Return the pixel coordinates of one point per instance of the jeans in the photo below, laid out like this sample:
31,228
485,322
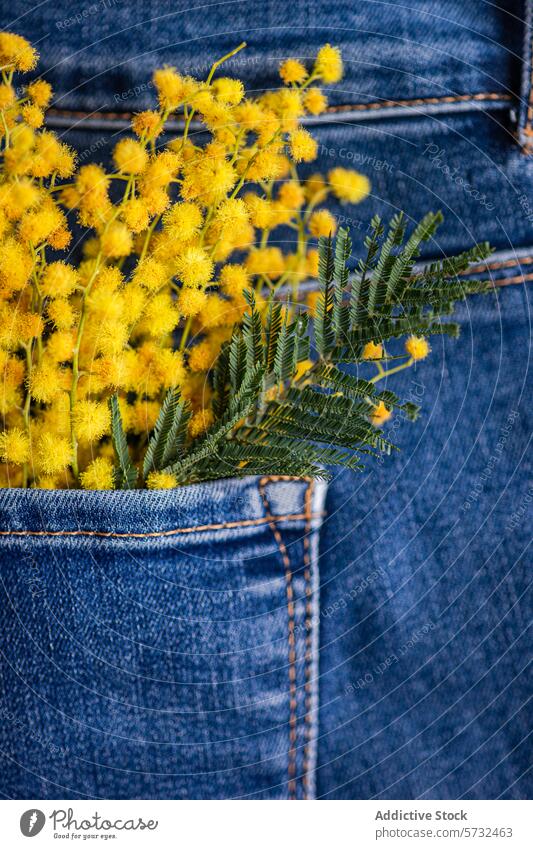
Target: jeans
271,639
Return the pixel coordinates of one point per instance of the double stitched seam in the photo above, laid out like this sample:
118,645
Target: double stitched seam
349,107
245,523
420,101
507,263
519,279
293,706
503,263
308,638
528,130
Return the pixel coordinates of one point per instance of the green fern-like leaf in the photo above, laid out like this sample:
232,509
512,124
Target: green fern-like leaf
168,438
125,473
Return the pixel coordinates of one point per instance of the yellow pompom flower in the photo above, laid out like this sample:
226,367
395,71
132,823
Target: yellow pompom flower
59,280
311,301
322,223
417,347
373,351
40,93
130,156
349,186
303,146
36,226
267,261
116,241
151,274
98,474
380,414
261,211
183,221
161,480
161,315
291,195
234,279
147,124
91,420
135,214
194,267
19,197
30,325
65,162
202,356
60,346
53,454
7,95
61,313
328,64
16,52
15,266
216,312
311,262
292,71
170,87
200,422
231,215
315,101
44,383
14,446
191,301
315,185
208,180
228,90
32,115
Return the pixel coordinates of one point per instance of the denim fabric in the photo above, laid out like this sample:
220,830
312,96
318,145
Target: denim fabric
164,666
425,594
101,54
160,645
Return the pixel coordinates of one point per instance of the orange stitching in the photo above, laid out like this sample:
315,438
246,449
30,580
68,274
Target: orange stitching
519,279
420,101
355,107
292,640
504,263
244,523
308,636
529,116
527,130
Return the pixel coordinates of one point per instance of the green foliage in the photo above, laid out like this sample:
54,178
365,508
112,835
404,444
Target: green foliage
125,473
272,416
170,432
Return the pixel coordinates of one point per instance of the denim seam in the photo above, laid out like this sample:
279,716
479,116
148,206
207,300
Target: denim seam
520,278
293,705
331,110
308,640
506,263
527,146
150,534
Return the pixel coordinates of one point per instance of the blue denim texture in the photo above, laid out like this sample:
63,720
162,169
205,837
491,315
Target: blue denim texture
164,666
144,659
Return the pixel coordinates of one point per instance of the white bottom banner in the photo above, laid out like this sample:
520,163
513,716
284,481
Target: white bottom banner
268,825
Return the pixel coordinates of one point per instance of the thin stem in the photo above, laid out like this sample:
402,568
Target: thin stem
148,237
219,62
395,370
27,407
185,334
76,365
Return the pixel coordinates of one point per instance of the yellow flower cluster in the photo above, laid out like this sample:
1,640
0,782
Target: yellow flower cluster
173,236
